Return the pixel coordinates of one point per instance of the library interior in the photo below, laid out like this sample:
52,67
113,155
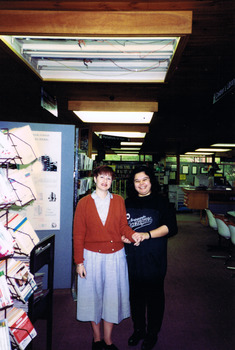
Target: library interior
122,84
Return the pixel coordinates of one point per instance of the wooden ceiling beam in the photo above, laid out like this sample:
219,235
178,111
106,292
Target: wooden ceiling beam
112,106
120,127
113,5
90,23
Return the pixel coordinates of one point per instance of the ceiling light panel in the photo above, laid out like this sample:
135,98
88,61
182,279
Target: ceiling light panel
213,150
127,134
126,152
115,117
126,149
198,153
131,143
96,59
223,145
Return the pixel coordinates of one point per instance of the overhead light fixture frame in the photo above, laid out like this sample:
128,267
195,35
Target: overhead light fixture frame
26,32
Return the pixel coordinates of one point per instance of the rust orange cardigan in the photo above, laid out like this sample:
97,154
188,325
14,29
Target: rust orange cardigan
91,234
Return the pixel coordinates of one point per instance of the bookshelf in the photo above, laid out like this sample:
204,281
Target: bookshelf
83,166
82,183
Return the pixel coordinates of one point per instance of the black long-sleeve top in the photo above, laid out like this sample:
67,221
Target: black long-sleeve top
149,259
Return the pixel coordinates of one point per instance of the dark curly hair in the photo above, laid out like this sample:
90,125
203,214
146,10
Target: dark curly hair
131,191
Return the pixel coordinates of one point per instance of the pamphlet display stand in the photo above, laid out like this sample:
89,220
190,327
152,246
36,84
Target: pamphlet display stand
18,277
41,308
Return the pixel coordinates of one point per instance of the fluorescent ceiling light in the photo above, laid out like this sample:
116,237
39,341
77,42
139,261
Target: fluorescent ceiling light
126,149
131,143
213,149
198,153
115,117
223,145
127,153
114,59
128,134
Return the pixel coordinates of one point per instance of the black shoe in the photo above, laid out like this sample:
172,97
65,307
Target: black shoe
136,337
109,347
97,345
149,342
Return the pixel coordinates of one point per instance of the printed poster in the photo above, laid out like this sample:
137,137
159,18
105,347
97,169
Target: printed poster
44,212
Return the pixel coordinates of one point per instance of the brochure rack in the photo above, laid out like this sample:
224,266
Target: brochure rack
18,195
41,308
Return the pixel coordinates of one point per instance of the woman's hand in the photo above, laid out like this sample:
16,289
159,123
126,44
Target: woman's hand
140,237
137,237
81,271
125,240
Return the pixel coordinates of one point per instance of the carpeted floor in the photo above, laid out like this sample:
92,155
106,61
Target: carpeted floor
199,312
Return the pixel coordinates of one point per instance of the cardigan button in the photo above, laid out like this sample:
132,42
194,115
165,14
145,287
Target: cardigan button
99,251
112,250
111,241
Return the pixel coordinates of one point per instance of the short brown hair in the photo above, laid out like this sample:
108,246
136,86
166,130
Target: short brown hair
104,169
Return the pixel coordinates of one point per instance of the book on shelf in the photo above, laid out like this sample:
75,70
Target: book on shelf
84,162
20,281
4,335
39,276
84,184
22,232
21,329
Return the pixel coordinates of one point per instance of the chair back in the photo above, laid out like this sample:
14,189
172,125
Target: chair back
232,232
211,219
223,228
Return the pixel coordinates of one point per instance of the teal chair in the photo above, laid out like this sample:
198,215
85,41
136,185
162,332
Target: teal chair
232,233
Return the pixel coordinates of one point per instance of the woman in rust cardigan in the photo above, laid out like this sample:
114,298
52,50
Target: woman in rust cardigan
103,289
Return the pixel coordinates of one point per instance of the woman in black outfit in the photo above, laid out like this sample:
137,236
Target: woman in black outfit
147,263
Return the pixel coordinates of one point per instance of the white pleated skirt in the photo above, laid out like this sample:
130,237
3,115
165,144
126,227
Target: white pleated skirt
104,293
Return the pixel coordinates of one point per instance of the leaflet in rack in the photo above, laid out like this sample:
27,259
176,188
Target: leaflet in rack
20,281
7,151
22,232
23,143
6,242
5,296
22,183
4,335
7,193
21,329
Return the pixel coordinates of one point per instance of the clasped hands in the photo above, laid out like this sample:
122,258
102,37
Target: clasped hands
138,237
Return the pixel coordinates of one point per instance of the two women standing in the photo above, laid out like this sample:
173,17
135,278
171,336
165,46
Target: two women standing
100,228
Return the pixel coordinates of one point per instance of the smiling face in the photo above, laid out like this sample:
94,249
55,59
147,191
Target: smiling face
103,182
142,184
